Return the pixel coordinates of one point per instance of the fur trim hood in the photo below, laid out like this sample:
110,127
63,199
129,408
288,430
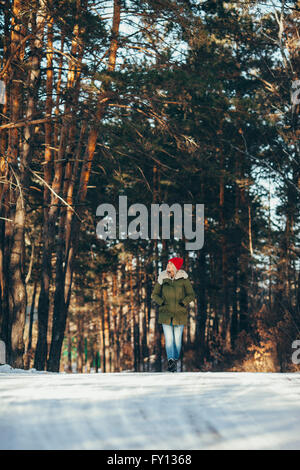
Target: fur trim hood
164,275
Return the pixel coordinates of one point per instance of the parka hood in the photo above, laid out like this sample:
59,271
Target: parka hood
165,275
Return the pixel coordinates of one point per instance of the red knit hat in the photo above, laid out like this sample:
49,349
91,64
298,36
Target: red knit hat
178,262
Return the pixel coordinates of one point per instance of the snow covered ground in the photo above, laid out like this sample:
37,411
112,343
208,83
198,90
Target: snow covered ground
156,411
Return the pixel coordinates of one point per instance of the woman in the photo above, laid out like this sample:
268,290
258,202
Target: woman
173,292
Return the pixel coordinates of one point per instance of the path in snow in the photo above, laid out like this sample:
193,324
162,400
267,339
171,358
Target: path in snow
149,411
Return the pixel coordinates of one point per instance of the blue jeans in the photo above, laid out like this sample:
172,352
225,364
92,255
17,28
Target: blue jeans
173,339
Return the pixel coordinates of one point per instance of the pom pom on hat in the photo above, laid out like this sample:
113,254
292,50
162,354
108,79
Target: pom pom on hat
178,262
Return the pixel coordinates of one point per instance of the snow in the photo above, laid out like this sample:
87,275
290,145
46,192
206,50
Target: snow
169,411
5,368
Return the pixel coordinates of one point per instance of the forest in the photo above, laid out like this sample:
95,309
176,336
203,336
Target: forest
187,102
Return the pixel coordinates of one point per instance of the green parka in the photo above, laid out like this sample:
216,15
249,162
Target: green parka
173,297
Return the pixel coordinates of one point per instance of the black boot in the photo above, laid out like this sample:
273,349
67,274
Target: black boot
172,365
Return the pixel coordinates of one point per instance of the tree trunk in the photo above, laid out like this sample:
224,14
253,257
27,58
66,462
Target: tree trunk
62,302
201,317
48,228
244,270
31,316
224,269
69,366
